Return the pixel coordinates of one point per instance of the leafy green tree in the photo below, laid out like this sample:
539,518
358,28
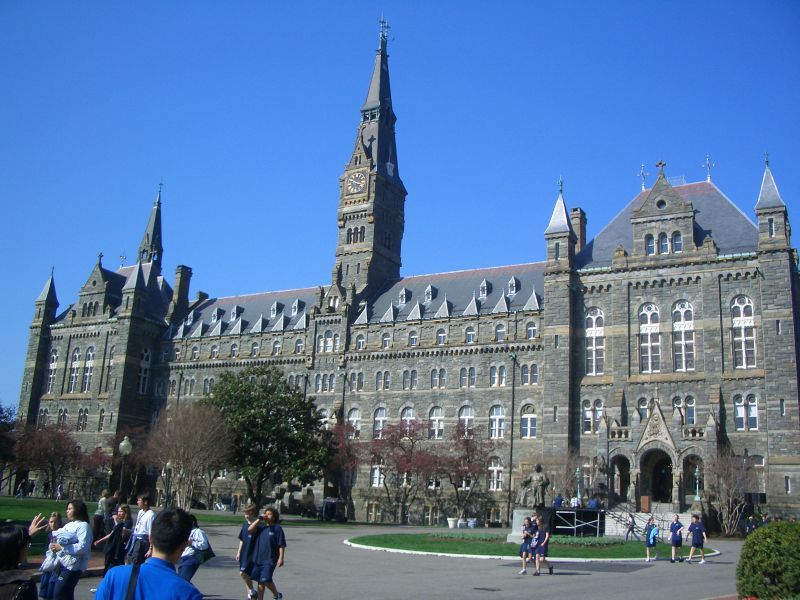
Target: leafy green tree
275,429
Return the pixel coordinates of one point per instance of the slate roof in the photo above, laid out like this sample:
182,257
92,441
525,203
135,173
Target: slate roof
559,220
769,197
715,215
458,289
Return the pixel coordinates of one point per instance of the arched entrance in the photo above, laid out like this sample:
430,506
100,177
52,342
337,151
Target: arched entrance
656,476
620,477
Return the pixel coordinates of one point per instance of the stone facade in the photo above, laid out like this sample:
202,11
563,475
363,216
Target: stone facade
643,351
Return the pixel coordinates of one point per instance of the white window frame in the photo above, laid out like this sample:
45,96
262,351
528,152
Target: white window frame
497,422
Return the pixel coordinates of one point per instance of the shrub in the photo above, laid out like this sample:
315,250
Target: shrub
770,563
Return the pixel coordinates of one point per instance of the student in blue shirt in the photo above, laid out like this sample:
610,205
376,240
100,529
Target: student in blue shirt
541,540
650,538
156,579
526,550
676,537
247,546
269,553
698,533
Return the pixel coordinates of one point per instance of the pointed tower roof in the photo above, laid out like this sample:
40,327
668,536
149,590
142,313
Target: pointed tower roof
559,221
769,197
151,248
380,92
135,279
48,295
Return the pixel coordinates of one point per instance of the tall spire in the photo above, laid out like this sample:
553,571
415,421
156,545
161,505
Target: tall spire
377,117
151,249
48,295
559,220
769,197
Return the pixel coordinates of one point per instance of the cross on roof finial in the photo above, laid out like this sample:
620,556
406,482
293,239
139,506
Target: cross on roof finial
766,159
661,164
384,25
708,165
100,258
122,258
560,185
643,175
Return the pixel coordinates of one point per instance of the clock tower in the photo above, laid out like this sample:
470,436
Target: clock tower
371,193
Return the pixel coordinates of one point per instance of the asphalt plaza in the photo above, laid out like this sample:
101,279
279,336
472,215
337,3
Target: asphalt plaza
320,565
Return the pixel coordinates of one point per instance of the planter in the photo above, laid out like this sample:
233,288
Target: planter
462,523
451,522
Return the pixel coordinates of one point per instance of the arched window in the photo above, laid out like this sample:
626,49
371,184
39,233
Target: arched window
534,374
690,411
43,416
413,379
406,379
378,381
276,347
501,376
144,371
387,380
436,423
497,422
386,341
299,346
211,386
471,378
318,383
214,351
500,333
649,245
406,418
683,336
195,352
642,406
744,337
434,378
745,412
493,376
354,423
51,372
191,387
378,422
349,235
595,341
361,342
527,423
234,350
376,472
525,375
254,348
88,370
205,385
677,242
441,337
663,243
320,344
649,339
462,377
335,342
328,341
74,369
79,423
110,368
598,415
101,420
469,336
360,381
530,330
466,419
413,338
495,474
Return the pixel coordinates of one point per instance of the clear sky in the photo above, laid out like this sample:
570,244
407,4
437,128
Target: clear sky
248,112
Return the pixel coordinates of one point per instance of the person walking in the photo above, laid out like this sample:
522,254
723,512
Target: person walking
190,559
630,528
139,545
99,517
234,505
156,579
676,539
269,554
116,539
73,555
699,538
48,579
650,538
541,541
247,545
525,551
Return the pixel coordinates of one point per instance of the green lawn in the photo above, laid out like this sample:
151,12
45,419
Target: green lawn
484,545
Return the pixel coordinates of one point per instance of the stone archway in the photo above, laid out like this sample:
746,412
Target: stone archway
656,476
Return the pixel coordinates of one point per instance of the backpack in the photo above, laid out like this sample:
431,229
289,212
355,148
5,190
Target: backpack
18,590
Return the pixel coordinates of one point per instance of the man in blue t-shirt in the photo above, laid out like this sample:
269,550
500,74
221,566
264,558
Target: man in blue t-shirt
698,533
269,553
676,537
156,578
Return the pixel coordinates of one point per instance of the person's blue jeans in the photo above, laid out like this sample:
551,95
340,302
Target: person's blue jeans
66,581
188,567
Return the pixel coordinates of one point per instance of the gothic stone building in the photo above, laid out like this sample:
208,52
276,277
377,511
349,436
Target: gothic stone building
672,332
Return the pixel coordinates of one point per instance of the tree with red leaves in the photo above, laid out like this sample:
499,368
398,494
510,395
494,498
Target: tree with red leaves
52,451
346,456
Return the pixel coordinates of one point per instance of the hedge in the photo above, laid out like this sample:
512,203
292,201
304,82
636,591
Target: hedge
770,563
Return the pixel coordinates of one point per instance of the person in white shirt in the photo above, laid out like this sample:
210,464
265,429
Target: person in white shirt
139,544
190,559
75,554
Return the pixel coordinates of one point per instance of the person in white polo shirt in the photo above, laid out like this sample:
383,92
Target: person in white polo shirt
139,544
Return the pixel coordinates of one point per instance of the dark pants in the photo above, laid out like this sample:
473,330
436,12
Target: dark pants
136,551
188,567
65,585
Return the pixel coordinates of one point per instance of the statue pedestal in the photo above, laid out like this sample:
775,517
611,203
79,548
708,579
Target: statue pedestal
515,537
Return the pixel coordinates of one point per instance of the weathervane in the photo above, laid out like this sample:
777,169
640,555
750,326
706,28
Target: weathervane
122,258
384,24
766,158
708,165
560,185
643,175
661,164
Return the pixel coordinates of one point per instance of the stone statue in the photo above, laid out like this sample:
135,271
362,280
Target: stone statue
532,491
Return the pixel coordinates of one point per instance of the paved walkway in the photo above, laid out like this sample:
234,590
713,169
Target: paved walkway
320,565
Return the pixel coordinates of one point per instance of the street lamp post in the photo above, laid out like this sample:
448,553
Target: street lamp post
168,487
125,448
578,482
697,483
511,445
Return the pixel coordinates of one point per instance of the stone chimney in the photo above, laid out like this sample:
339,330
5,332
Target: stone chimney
578,220
180,294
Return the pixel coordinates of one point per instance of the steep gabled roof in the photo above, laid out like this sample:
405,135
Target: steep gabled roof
769,197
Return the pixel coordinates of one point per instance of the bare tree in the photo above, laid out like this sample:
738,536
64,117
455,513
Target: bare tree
728,478
563,479
185,443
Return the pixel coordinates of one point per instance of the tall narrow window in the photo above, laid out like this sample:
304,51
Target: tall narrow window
88,370
663,243
525,375
376,473
595,341
413,338
649,339
361,342
527,424
436,423
441,337
51,372
234,350
466,419
406,379
497,422
530,330
378,422
642,406
471,377
74,369
413,379
493,376
407,417
495,474
379,381
462,377
470,335
752,412
649,245
354,423
739,412
683,336
101,421
677,242
782,405
771,227
690,411
144,371
386,341
434,378
534,374
500,333
744,337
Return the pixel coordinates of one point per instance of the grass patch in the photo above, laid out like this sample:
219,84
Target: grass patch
495,545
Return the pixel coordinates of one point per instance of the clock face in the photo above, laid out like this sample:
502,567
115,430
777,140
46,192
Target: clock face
356,183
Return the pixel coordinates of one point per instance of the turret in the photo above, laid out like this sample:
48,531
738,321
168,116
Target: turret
151,249
774,231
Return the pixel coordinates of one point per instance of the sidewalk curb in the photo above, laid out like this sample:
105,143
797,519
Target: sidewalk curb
508,558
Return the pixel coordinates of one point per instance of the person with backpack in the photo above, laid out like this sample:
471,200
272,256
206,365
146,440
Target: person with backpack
193,556
650,538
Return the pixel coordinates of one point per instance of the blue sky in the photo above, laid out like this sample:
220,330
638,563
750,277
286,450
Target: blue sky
248,111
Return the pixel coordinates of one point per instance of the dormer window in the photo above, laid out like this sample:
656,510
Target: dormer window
190,318
333,302
430,293
296,305
404,295
485,289
235,312
216,315
273,310
513,286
